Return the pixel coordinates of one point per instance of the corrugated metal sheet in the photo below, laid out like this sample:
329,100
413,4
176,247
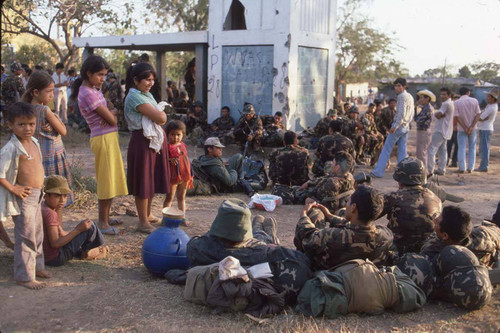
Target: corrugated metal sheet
315,16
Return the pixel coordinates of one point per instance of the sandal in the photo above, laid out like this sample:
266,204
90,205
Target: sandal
112,231
113,222
145,229
154,219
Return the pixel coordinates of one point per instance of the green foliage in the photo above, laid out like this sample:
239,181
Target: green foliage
186,15
37,54
464,72
363,52
486,71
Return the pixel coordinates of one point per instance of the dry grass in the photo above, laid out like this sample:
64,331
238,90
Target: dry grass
84,187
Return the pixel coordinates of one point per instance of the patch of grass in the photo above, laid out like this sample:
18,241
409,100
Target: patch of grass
84,187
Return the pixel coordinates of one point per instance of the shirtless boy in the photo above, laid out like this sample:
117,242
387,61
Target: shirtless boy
21,182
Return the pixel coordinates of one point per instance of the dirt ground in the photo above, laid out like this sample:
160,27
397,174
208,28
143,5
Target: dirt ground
118,294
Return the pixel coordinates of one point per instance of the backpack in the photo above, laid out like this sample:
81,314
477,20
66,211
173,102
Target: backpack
199,281
255,173
202,181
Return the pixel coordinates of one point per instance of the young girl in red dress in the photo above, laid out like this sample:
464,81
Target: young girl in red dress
180,168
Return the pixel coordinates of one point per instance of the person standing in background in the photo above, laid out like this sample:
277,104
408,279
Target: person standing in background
60,93
485,126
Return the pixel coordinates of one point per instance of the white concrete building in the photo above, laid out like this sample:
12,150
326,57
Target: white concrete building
278,55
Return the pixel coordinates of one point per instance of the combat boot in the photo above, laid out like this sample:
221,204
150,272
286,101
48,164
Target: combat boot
257,223
271,228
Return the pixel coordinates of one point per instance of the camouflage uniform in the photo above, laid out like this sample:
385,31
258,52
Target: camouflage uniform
328,147
461,280
196,125
351,130
288,165
243,129
326,190
12,90
420,269
341,242
322,127
483,241
273,135
411,210
114,93
384,121
224,126
374,140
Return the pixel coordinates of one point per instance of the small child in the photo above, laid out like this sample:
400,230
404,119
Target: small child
49,128
180,167
21,182
84,241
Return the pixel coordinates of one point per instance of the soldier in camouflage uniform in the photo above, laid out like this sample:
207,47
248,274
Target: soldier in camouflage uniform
289,165
355,237
196,123
460,278
385,117
329,146
332,191
12,87
454,227
248,128
274,131
412,209
353,129
374,140
222,125
251,242
322,127
114,95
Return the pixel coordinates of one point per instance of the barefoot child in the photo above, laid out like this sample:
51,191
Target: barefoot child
104,143
180,168
84,241
49,128
21,182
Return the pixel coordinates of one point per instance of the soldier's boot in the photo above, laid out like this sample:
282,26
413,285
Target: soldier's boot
454,198
257,223
271,228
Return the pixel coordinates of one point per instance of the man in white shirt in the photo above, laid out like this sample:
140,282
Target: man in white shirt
398,134
466,110
485,125
443,130
60,93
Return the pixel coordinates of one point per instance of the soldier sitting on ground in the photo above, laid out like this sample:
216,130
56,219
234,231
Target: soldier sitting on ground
233,233
223,125
333,190
322,127
248,128
353,129
330,145
454,227
196,122
354,237
412,209
274,131
374,140
288,165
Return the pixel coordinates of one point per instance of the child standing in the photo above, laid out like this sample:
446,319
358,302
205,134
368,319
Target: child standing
147,168
180,168
21,182
59,246
49,128
104,143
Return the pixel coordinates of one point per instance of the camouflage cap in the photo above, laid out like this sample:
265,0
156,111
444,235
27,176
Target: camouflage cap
15,66
468,287
249,109
410,171
419,269
233,221
454,256
332,112
354,109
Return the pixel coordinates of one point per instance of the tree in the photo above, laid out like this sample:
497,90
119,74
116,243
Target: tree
72,17
464,72
362,51
37,54
486,71
186,15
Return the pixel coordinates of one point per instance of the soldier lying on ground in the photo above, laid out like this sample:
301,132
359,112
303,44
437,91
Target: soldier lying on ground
454,227
330,145
234,234
354,237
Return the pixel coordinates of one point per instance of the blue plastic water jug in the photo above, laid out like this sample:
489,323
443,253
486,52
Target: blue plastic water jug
165,248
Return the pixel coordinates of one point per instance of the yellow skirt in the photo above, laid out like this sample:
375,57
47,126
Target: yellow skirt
109,171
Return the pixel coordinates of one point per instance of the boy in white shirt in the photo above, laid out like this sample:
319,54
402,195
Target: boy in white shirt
485,126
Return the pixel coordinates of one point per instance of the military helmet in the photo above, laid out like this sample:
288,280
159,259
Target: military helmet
419,269
454,256
410,171
248,109
353,109
468,287
332,112
233,221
